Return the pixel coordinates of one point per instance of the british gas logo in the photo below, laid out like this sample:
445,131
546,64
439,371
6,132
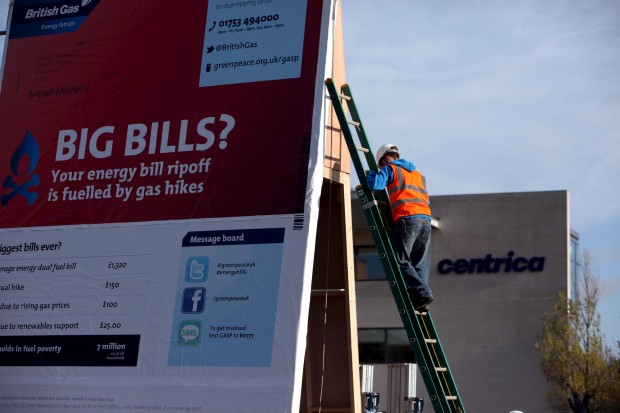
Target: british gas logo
23,183
42,12
491,265
48,17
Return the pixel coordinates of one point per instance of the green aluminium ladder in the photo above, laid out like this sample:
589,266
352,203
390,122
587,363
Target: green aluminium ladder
423,337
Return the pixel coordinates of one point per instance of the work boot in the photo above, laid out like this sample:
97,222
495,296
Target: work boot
421,304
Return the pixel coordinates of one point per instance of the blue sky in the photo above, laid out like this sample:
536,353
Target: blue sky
499,96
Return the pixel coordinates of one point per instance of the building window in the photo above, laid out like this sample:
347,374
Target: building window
372,345
384,345
368,264
398,346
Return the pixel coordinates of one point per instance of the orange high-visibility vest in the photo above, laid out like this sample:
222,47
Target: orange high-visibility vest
408,195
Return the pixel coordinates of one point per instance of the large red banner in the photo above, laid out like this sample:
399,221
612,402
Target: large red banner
130,112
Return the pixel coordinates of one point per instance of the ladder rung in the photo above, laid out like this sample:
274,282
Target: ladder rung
343,96
430,340
354,123
362,149
451,398
370,204
442,369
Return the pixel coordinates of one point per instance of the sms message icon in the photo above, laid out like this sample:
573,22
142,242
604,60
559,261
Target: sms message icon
189,333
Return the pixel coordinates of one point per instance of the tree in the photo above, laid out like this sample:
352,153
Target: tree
582,372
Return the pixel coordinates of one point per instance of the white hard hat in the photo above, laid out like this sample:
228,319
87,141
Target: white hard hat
387,148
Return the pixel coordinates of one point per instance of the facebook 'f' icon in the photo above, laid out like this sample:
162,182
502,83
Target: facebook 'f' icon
193,300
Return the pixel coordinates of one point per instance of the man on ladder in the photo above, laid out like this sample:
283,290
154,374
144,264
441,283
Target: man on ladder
406,263
411,236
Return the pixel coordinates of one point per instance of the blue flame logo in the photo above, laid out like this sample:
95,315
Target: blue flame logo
27,149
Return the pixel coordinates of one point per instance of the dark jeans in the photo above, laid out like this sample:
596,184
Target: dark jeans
411,239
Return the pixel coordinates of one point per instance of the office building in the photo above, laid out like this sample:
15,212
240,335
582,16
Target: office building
497,263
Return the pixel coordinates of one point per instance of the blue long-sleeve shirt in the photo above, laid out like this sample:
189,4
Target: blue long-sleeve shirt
379,180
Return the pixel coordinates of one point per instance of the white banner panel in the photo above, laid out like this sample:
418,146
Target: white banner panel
96,316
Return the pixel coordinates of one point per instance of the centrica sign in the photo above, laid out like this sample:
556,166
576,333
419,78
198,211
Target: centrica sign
491,265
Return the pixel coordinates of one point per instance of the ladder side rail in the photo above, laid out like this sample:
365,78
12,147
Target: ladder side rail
370,159
411,323
344,127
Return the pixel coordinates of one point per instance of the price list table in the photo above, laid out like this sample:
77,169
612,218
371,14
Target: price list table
72,311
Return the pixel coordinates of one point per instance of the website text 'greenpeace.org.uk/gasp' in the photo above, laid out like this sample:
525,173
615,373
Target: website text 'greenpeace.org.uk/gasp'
253,62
